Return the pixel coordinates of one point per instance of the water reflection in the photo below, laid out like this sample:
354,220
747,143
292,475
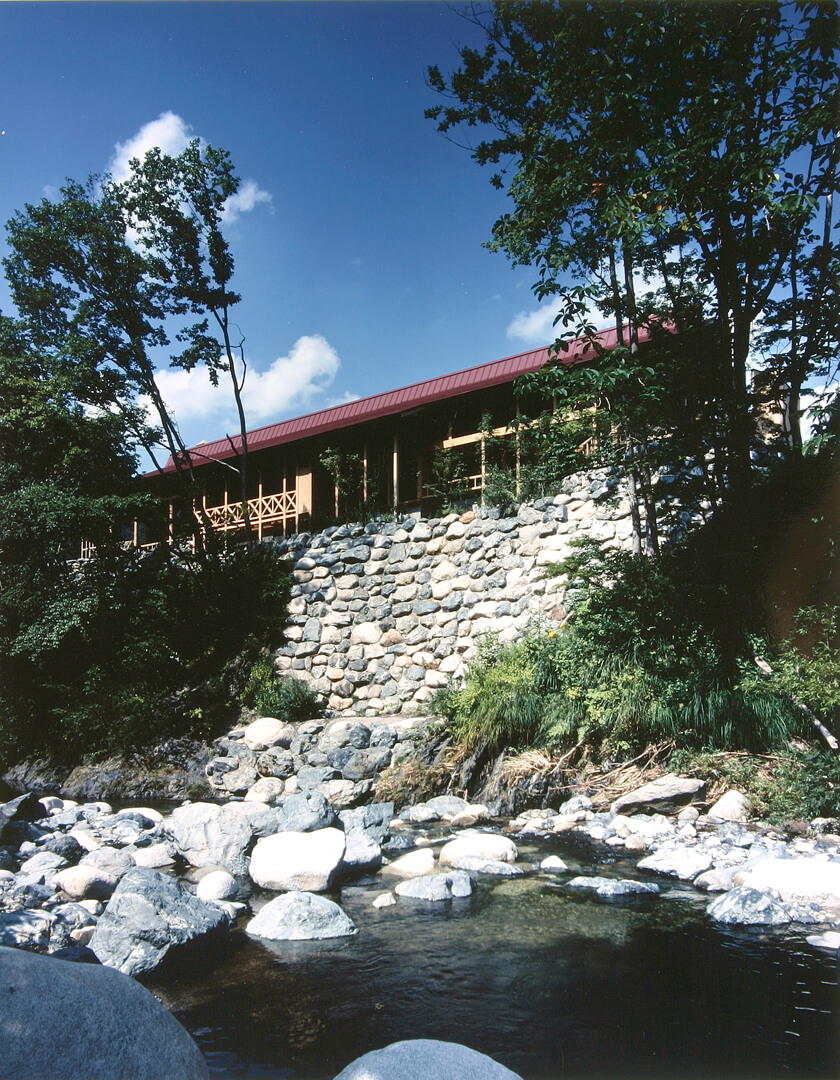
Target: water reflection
551,983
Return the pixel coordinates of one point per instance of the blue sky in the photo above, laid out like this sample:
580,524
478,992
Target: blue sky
358,241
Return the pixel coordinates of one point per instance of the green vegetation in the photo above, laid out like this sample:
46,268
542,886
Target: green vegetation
284,699
141,648
671,167
642,661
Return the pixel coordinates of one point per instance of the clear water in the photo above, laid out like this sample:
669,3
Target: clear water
550,982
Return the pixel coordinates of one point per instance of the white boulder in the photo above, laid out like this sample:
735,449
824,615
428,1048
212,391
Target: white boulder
479,845
296,861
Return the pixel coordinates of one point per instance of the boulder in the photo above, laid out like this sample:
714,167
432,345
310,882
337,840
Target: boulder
266,790
554,864
210,835
421,861
294,861
304,811
732,806
240,779
66,1021
478,864
436,887
667,795
217,885
86,882
480,845
748,907
798,879
112,860
365,764
361,853
259,816
300,916
266,732
613,886
149,914
276,762
373,819
425,1059
676,861
25,929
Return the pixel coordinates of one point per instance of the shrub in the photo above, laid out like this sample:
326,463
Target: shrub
285,699
497,706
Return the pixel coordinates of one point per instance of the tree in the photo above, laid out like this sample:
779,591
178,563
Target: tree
176,205
103,274
690,143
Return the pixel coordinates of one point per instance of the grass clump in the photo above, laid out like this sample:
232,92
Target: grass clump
497,705
647,657
285,699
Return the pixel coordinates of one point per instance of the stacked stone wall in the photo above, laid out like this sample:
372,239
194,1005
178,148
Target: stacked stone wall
383,614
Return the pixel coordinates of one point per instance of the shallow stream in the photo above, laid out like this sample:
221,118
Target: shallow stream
551,982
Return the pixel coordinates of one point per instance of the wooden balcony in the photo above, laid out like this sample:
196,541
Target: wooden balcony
266,512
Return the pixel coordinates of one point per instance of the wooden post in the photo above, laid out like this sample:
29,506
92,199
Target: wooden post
170,527
136,535
225,518
395,469
483,465
260,506
364,473
518,468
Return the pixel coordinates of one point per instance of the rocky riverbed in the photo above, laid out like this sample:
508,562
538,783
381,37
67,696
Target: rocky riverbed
133,888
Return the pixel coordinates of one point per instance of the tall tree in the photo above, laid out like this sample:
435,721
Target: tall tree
176,206
107,273
686,142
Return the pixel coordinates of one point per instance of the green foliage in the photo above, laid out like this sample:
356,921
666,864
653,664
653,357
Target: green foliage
284,699
130,651
346,470
497,705
643,660
795,785
699,152
808,666
448,481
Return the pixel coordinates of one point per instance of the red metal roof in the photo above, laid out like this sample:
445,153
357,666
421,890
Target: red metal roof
392,402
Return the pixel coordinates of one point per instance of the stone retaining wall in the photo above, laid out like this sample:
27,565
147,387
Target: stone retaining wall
383,614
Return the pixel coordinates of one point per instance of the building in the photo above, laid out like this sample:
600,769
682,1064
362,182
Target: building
377,454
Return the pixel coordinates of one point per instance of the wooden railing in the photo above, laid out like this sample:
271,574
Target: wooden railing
281,508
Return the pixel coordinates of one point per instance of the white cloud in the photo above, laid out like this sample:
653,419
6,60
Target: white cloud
537,327
288,386
292,381
534,327
248,196
170,132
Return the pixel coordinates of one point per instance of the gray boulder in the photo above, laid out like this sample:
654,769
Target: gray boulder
478,864
612,886
25,929
210,835
361,853
667,795
425,1059
300,916
373,819
365,764
67,1021
748,907
304,811
276,762
436,887
149,914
